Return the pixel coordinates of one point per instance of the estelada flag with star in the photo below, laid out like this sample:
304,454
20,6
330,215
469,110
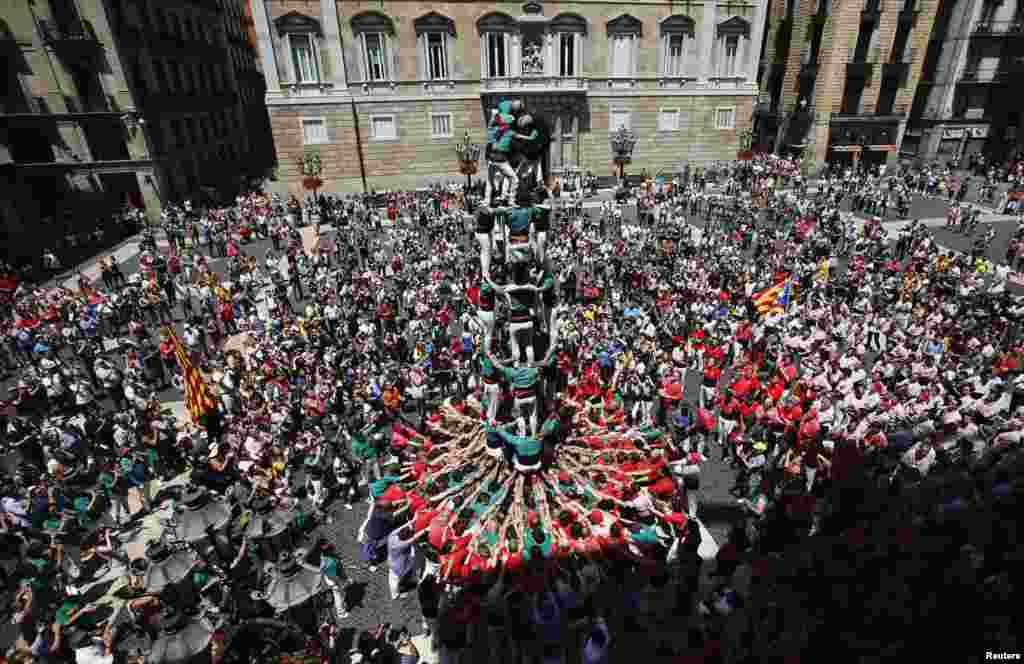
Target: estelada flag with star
198,398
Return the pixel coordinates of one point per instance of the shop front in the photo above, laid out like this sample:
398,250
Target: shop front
866,142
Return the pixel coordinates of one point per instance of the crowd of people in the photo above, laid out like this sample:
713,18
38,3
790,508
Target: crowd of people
865,390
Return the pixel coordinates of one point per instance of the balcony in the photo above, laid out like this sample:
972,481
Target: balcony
998,29
75,37
869,118
542,84
896,70
909,12
860,70
185,103
974,75
872,10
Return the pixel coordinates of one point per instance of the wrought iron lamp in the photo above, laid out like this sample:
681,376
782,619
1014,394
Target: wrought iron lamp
166,566
269,528
623,141
199,513
292,583
469,158
180,638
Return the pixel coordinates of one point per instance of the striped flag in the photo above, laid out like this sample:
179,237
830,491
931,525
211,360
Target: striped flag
198,397
773,300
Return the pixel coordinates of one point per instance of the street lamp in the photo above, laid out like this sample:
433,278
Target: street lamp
469,157
623,141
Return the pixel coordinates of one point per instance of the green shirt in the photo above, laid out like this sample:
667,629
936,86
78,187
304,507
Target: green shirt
107,482
544,544
329,565
646,535
378,487
519,220
523,445
362,448
551,427
521,378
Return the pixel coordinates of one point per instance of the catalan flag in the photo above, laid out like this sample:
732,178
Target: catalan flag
773,300
198,397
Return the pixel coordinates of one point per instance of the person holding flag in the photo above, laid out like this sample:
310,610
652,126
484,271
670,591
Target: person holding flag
199,399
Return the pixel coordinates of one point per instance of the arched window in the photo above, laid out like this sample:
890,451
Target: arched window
435,36
732,43
624,35
496,30
373,32
676,44
301,35
570,31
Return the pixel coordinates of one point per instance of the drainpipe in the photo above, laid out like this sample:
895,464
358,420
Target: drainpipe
359,144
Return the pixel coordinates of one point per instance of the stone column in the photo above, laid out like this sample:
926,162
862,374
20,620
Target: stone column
556,145
754,48
333,50
707,41
266,45
515,66
551,64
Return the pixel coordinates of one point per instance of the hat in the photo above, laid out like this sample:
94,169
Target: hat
596,517
760,447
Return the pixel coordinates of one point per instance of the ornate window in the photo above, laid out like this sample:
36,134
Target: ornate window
496,30
374,32
624,36
301,35
570,30
435,37
676,45
732,42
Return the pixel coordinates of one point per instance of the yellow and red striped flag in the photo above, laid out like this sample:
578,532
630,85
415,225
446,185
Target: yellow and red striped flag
198,398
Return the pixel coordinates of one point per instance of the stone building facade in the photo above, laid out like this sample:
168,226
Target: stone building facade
838,77
966,101
115,102
386,90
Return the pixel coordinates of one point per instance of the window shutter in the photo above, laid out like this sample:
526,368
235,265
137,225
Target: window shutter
740,66
692,55
635,56
485,47
291,75
358,55
392,57
326,66
454,64
423,57
663,55
611,57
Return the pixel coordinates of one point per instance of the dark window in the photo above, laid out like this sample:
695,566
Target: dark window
887,98
851,97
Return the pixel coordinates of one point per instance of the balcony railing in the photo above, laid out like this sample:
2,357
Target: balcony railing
997,28
982,75
78,32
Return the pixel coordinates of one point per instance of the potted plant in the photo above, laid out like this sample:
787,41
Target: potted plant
311,169
746,139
